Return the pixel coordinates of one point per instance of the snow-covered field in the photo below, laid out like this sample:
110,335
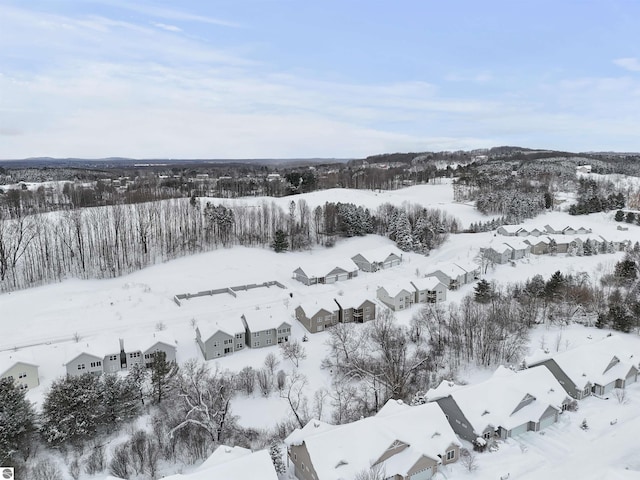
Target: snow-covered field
101,311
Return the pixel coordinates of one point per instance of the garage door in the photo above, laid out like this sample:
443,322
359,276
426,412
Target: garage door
547,421
422,475
519,430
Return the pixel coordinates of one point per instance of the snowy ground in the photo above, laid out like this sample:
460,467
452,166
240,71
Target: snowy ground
101,311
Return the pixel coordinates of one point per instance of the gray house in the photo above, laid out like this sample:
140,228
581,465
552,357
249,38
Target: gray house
397,296
355,308
24,374
429,290
266,326
156,346
378,259
404,442
222,337
84,362
519,248
317,316
498,254
595,368
453,276
506,405
122,360
322,272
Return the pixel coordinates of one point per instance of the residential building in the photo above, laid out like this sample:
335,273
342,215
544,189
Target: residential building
266,326
402,441
318,315
354,307
232,463
23,373
378,259
506,405
84,362
221,337
322,272
596,368
429,290
397,296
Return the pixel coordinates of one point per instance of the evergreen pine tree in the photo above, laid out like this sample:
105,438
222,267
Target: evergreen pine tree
276,458
17,421
280,242
119,399
162,373
619,216
483,291
71,411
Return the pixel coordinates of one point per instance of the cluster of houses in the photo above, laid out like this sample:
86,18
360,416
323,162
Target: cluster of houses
106,358
412,442
523,242
522,231
323,312
314,273
95,359
258,328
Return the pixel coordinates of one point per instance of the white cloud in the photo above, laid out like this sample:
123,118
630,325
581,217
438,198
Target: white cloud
630,63
169,28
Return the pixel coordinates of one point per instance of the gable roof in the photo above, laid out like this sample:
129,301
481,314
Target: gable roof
341,451
394,289
313,306
427,283
230,324
353,299
600,362
495,401
322,268
380,254
266,318
9,359
235,464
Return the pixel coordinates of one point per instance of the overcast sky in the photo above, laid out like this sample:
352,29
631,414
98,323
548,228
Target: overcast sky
315,78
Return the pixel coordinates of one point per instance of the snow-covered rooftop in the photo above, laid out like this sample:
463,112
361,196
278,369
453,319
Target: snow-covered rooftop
233,463
427,283
380,254
494,401
393,289
317,269
9,359
266,318
592,363
229,323
340,452
311,306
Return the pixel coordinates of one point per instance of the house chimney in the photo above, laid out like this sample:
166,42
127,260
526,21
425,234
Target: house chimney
121,344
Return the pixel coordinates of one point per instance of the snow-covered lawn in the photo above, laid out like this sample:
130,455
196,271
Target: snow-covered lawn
101,311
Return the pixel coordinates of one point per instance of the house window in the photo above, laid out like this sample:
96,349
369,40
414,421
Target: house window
487,435
22,375
269,341
238,335
257,344
295,456
113,358
238,346
270,331
451,454
95,364
81,366
256,334
216,344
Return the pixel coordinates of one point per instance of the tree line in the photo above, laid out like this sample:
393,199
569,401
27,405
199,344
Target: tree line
104,242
